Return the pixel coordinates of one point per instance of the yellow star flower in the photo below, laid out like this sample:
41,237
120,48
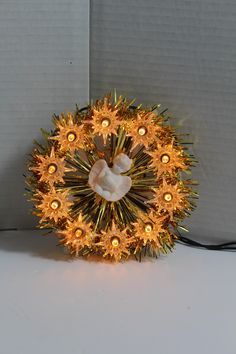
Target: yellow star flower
71,136
50,169
115,243
105,120
53,205
143,130
170,198
77,235
168,159
148,228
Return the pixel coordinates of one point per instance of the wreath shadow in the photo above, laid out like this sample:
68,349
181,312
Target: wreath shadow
32,242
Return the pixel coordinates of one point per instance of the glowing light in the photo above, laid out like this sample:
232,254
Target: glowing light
106,122
115,241
148,227
71,137
142,131
165,158
52,168
55,204
78,232
168,197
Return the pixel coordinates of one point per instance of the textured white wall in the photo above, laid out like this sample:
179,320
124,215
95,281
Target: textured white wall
44,56
182,54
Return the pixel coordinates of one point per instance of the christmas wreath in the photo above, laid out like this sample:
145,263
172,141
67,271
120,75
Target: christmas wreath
109,180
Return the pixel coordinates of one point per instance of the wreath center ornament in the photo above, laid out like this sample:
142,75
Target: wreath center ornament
112,180
108,182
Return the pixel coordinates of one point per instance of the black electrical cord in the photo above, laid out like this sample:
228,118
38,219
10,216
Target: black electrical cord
226,246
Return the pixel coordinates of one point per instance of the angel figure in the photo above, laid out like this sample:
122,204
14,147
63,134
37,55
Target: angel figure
109,183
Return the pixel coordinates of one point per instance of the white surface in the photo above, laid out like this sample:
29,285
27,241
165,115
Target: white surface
183,303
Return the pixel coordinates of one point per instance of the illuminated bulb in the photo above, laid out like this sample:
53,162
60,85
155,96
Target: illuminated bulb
168,197
52,168
55,204
165,158
115,242
71,137
106,122
148,227
78,232
142,131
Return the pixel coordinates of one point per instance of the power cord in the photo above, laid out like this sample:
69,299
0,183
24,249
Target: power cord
226,246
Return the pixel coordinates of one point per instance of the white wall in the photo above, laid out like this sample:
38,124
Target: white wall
182,54
44,56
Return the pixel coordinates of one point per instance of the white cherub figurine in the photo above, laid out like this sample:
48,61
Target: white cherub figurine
108,182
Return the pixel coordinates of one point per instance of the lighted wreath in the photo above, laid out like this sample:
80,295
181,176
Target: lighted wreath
109,180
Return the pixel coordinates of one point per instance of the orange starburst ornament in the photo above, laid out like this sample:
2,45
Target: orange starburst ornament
77,235
167,158
53,205
149,228
115,243
172,199
143,130
108,180
50,169
105,119
69,134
